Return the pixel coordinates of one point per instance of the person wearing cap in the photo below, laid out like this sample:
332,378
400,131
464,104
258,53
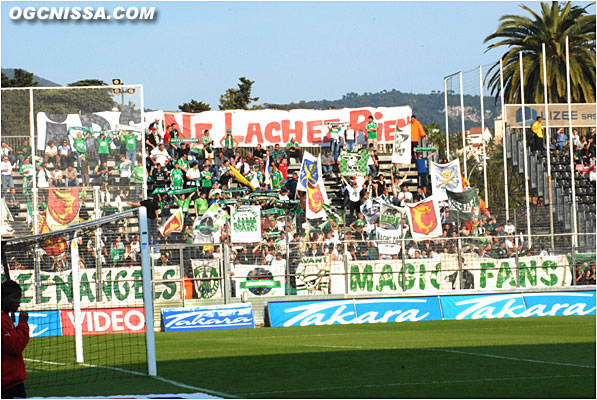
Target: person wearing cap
152,139
229,144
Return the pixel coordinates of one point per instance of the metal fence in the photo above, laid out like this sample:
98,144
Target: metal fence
217,272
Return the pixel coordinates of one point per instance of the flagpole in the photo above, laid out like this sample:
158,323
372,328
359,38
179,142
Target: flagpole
548,141
524,147
504,141
463,127
446,115
571,141
483,135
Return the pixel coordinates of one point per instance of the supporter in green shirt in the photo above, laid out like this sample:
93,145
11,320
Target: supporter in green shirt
183,163
293,149
371,128
177,177
130,141
201,204
184,202
206,178
23,151
277,178
138,172
103,149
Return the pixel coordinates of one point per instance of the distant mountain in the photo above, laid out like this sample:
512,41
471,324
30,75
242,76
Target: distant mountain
427,107
10,72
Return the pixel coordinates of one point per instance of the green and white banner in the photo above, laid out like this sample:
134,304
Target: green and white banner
121,286
430,276
313,276
246,224
259,280
353,163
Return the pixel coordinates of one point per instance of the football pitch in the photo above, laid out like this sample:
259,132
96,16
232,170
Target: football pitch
548,357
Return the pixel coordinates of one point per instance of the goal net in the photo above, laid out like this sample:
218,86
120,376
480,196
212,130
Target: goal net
87,289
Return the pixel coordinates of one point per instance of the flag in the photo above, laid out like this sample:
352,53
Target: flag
390,217
424,218
316,198
245,225
63,208
445,177
353,163
53,245
464,206
240,178
309,172
334,213
401,150
217,214
370,209
173,224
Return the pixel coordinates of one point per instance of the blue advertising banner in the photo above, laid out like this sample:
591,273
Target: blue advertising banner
228,316
559,303
44,323
353,311
398,310
508,305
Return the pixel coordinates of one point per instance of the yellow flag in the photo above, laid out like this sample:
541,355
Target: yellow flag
239,177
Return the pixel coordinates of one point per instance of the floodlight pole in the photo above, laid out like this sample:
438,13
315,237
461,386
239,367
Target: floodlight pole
447,118
483,136
571,142
548,142
463,127
526,161
504,141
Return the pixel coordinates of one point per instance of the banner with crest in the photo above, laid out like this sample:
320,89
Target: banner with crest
445,177
425,219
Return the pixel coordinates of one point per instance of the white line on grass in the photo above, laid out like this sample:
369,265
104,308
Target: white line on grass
512,358
333,347
412,383
128,371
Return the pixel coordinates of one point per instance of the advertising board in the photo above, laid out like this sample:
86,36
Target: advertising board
227,316
44,323
105,321
353,311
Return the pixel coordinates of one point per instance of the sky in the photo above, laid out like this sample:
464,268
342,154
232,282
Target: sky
292,50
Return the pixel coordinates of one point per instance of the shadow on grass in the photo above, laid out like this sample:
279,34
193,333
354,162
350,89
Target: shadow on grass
392,373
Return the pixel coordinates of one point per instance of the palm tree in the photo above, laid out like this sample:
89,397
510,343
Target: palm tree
551,27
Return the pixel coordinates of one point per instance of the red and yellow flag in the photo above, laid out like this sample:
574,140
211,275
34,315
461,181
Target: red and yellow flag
173,224
54,245
425,219
63,205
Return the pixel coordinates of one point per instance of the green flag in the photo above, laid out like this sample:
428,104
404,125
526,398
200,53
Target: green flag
353,163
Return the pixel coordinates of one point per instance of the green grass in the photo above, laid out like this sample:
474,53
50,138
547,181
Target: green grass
508,358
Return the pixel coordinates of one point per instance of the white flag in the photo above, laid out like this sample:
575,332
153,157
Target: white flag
445,177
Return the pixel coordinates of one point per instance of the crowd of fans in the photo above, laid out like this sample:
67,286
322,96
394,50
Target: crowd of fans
211,168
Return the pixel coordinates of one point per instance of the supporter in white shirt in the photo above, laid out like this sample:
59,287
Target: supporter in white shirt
43,177
6,171
159,155
509,228
405,196
193,173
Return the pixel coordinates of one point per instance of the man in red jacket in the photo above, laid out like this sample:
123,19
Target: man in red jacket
14,341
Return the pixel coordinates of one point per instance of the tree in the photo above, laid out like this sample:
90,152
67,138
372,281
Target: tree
239,99
88,82
21,78
526,35
194,106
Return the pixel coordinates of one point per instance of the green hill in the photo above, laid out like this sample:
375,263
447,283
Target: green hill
10,72
427,107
